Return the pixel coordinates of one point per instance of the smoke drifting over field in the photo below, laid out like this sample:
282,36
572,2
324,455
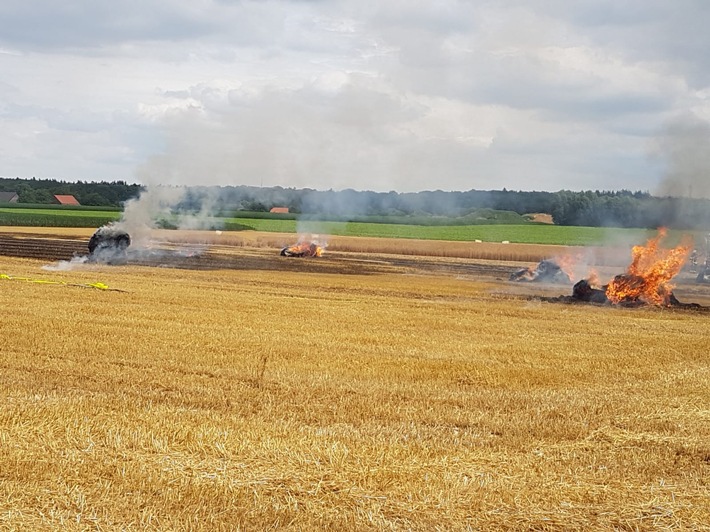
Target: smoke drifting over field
166,205
66,265
335,130
140,214
157,206
685,146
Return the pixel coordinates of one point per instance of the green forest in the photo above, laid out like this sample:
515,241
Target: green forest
623,208
99,194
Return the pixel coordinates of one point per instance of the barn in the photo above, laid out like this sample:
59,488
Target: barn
66,199
9,197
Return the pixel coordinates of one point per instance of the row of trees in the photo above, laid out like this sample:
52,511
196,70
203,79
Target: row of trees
624,210
42,191
589,208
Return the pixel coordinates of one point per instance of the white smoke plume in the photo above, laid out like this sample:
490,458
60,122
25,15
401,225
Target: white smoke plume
162,206
66,265
685,147
140,215
156,206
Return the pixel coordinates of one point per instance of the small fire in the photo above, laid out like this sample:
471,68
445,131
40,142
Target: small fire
647,277
524,274
568,263
548,270
593,277
304,248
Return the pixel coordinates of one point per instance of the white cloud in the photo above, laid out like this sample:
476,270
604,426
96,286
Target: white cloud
366,95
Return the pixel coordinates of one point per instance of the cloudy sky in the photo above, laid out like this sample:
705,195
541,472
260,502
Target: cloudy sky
365,94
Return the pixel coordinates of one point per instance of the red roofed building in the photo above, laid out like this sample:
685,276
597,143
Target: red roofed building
279,210
66,199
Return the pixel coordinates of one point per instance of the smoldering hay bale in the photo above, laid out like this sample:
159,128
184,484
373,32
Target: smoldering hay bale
108,243
545,271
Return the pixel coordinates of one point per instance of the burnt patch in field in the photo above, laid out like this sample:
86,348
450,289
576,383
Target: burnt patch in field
165,254
38,247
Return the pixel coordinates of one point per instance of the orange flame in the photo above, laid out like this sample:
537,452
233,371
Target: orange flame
647,277
568,263
526,275
303,249
593,278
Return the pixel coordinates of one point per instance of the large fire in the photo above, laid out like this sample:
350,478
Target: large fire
648,276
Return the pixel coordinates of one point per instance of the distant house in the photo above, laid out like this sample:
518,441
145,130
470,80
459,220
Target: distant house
66,199
279,210
9,197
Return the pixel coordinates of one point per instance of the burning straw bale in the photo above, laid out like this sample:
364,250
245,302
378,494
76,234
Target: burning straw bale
647,280
584,291
648,276
303,248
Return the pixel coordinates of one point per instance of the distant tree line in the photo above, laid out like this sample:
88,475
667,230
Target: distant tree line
42,191
588,208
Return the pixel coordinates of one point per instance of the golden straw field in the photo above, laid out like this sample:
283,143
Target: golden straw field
351,399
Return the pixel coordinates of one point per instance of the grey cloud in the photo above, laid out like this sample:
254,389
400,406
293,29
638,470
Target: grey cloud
527,83
670,33
47,25
8,91
387,95
597,161
181,94
71,120
72,143
671,37
101,26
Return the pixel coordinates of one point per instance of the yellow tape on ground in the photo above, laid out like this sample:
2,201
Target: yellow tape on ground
99,286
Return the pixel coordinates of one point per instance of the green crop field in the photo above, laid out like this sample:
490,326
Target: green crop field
56,217
527,233
62,213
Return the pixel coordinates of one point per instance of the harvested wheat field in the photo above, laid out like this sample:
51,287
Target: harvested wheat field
351,392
